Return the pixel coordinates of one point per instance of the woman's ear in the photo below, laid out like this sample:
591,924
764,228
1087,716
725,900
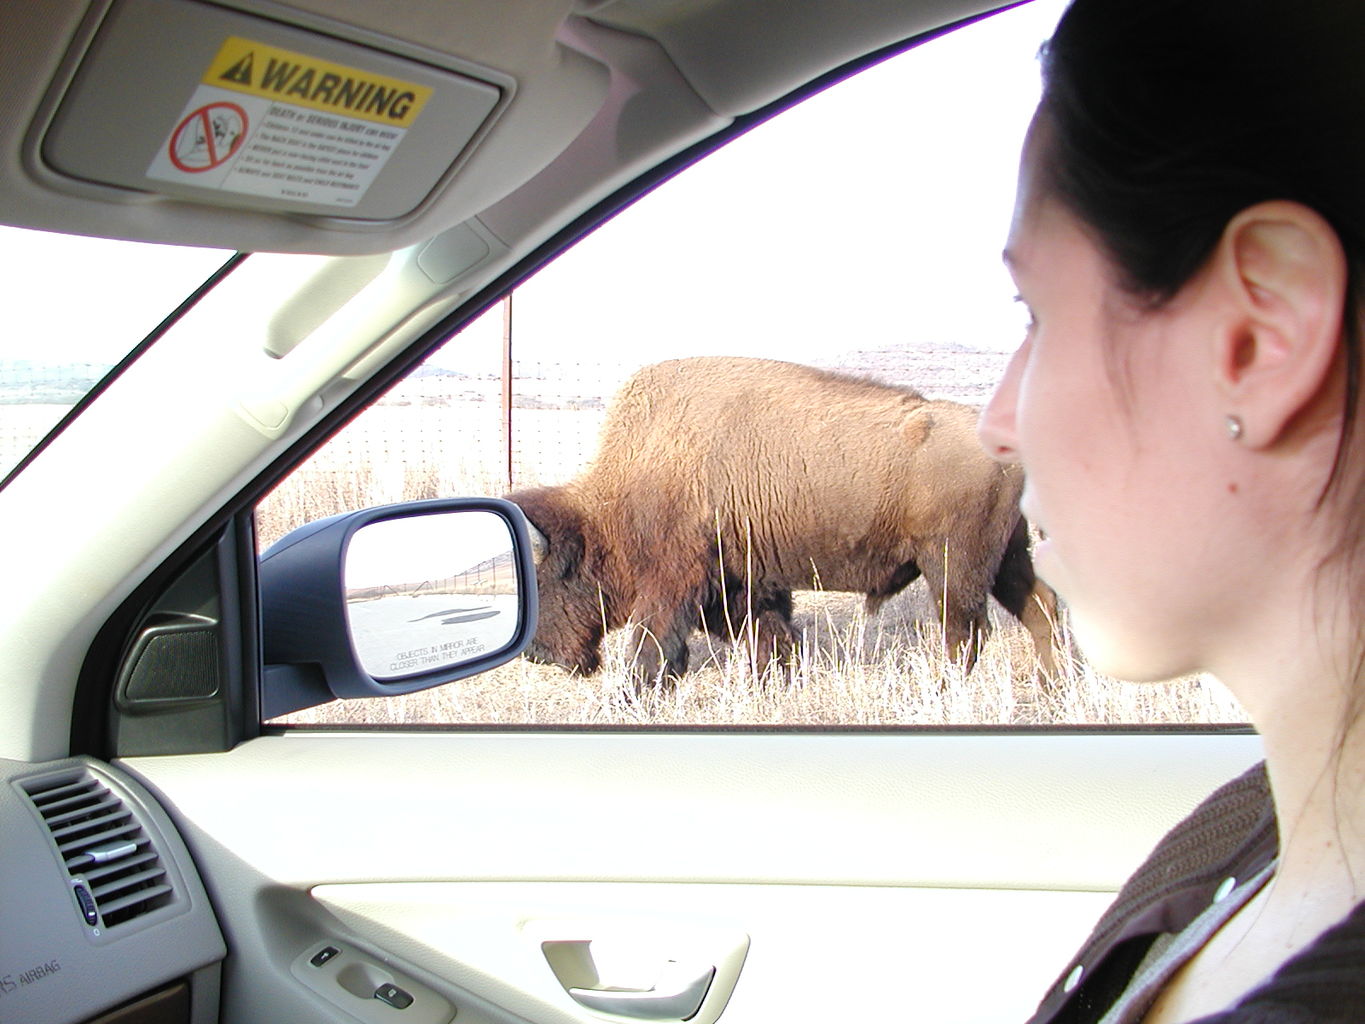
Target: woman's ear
1285,270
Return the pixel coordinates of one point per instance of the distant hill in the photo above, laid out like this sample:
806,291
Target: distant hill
30,382
438,371
952,371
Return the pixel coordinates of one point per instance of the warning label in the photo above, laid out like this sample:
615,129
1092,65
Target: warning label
270,122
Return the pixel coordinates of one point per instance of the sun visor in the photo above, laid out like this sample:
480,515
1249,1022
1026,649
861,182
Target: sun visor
191,100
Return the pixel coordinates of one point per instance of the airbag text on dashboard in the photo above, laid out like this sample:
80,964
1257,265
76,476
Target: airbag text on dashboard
10,982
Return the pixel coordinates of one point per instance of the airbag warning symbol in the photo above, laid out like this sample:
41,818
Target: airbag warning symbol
208,137
270,122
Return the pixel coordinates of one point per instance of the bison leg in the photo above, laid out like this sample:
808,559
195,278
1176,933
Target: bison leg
1028,598
904,575
1040,619
760,619
774,642
722,616
660,654
725,616
960,599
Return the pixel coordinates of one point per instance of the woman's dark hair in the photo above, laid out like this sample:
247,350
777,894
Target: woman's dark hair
1165,119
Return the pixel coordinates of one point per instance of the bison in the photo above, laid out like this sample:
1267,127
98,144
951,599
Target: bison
723,483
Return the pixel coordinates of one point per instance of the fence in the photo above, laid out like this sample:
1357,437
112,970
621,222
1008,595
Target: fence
472,421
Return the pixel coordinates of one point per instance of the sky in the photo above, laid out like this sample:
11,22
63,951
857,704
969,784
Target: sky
74,300
872,215
396,552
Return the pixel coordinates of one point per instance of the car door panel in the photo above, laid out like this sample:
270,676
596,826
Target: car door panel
814,952
849,873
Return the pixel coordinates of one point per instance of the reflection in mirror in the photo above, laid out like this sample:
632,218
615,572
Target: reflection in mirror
427,592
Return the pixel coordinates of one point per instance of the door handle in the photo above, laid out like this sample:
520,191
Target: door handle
676,995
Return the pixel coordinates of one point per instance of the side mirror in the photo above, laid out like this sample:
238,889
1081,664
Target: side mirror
393,600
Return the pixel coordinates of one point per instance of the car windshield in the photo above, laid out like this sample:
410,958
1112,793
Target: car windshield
75,307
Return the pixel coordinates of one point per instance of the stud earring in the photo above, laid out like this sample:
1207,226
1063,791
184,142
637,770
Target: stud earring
1234,427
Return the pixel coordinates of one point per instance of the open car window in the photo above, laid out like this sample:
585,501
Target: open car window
75,307
855,233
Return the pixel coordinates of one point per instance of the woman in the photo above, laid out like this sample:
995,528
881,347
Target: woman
1189,240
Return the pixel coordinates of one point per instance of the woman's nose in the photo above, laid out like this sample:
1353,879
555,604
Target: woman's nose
996,428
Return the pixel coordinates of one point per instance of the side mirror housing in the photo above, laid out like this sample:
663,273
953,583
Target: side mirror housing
394,599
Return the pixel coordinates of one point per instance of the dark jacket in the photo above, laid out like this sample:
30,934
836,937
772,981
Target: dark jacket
1232,834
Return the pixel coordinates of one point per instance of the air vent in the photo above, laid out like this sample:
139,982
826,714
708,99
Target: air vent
116,873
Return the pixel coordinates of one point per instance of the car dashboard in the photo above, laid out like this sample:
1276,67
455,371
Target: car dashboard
105,906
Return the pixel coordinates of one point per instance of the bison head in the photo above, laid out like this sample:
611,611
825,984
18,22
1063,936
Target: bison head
573,607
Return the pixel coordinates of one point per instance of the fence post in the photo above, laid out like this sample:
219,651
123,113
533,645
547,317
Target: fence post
507,386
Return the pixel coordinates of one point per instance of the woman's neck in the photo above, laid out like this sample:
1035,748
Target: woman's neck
1299,687
1298,703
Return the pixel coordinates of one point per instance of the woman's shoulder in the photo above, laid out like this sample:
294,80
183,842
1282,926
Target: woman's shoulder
1231,835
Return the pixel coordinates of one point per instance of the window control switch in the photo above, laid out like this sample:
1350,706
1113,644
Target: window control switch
323,955
394,996
368,986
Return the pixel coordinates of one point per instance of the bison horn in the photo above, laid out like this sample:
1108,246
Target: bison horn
540,547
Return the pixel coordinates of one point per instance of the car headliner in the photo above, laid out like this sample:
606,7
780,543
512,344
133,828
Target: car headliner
598,90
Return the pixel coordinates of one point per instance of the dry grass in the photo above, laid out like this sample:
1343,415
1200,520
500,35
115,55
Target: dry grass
853,670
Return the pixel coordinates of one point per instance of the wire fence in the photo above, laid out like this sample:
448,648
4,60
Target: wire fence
471,422
440,433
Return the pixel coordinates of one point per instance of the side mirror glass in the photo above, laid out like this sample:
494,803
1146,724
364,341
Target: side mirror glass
429,592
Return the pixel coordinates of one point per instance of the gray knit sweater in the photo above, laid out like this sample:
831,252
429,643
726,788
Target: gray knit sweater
1232,834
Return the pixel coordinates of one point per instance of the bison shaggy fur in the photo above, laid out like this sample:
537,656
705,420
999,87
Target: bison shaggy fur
722,484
